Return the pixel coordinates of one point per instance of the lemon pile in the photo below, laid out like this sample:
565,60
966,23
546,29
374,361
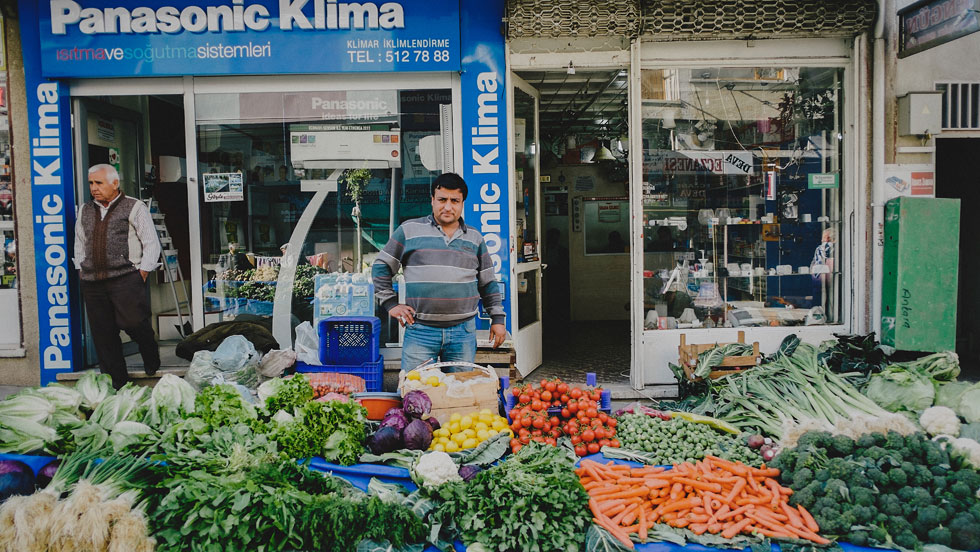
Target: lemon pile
466,432
432,381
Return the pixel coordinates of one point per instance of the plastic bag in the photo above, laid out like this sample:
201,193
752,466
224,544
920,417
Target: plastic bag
275,362
202,370
307,344
235,353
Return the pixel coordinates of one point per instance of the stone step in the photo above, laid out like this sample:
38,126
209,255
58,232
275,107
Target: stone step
136,376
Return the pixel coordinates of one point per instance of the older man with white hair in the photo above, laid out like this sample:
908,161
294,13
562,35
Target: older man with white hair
116,247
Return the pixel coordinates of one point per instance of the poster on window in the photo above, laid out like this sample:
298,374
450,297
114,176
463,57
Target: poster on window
224,187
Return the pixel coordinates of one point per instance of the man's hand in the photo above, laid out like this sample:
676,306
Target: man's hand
144,274
497,334
404,314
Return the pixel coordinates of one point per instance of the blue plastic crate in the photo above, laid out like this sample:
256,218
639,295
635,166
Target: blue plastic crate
371,372
349,340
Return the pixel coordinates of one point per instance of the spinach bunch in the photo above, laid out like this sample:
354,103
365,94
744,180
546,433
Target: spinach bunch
334,430
532,502
271,507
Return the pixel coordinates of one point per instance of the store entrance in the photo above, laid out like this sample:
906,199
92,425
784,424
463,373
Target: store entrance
143,138
585,223
957,178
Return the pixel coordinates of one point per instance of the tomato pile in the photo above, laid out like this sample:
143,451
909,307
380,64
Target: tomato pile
579,417
322,389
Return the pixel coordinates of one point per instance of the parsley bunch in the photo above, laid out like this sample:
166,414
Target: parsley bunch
532,502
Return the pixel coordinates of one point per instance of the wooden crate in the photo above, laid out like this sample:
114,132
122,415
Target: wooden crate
730,365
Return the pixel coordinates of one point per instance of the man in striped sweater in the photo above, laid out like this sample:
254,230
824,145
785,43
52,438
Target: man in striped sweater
447,272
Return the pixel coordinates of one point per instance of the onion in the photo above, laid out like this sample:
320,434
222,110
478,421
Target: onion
768,455
756,441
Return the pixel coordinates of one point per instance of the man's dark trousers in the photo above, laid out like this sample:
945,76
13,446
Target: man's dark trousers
115,304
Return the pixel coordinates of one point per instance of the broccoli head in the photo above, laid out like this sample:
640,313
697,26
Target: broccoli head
921,497
822,475
877,476
961,490
842,445
966,532
836,489
897,477
878,534
929,516
801,478
913,444
938,483
879,438
785,461
828,503
865,441
940,535
968,476
874,453
907,539
891,505
933,454
894,441
830,521
858,537
864,515
808,495
816,439
938,470
905,494
862,497
897,524
923,477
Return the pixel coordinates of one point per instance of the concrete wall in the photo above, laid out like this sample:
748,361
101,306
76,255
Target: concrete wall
599,283
25,369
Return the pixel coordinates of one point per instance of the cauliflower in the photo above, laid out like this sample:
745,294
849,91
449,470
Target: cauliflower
969,449
940,420
435,468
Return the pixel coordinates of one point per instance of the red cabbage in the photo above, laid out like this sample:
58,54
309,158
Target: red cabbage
47,472
434,423
469,471
416,404
385,440
395,418
16,478
418,435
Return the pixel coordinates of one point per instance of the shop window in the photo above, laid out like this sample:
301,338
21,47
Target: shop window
742,196
10,336
261,158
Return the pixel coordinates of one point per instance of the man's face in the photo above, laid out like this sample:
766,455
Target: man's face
103,190
447,205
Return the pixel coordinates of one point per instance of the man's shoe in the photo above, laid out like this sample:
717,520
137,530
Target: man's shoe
150,371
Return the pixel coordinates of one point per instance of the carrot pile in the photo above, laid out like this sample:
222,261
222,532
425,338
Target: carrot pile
715,496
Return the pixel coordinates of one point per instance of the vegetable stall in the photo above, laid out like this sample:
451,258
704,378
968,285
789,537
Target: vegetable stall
818,447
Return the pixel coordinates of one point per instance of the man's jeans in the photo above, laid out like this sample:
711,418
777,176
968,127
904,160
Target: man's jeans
422,343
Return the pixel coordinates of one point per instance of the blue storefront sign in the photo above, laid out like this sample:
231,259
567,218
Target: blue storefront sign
100,38
484,107
53,204
116,38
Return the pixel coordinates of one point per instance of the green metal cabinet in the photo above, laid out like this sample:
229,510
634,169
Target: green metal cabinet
920,271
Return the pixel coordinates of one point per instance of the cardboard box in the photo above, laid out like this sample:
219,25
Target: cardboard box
476,396
443,414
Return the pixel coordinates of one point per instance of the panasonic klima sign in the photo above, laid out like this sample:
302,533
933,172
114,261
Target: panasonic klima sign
99,38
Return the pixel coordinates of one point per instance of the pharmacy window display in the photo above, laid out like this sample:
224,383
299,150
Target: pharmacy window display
742,196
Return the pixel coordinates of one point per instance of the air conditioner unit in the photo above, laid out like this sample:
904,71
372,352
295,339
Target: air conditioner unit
345,147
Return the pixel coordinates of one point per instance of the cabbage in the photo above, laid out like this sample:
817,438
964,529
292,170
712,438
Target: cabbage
395,418
970,404
418,435
129,434
115,409
434,423
897,389
171,399
22,435
469,471
269,389
385,440
16,478
95,388
948,394
28,405
416,404
63,398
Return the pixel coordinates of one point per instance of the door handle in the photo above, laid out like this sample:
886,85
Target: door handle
544,267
